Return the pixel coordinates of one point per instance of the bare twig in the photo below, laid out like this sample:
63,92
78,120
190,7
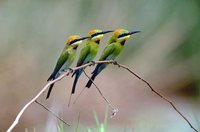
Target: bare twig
157,93
114,110
43,90
32,101
84,66
52,113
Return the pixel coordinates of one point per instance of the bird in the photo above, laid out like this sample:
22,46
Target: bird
66,58
113,48
88,52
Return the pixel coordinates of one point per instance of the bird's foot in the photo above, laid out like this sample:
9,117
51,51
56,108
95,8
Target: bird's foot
70,70
114,62
92,63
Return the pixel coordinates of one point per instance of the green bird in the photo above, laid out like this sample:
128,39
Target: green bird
66,58
111,51
88,52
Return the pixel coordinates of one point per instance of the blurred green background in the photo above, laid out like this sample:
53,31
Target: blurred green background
166,53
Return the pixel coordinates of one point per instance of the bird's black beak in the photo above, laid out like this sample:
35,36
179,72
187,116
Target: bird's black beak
104,32
126,34
131,33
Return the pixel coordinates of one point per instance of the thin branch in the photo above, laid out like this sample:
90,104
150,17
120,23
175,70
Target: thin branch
84,66
16,121
157,93
114,110
52,113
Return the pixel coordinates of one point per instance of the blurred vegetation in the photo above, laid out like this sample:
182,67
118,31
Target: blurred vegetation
99,127
166,52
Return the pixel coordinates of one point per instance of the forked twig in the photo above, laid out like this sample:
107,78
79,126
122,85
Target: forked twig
32,101
114,110
16,121
84,66
52,113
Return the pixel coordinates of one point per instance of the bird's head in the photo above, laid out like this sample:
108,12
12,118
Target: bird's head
121,35
96,35
75,40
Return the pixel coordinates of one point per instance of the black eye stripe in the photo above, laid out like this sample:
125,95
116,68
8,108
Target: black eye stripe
122,35
74,41
96,34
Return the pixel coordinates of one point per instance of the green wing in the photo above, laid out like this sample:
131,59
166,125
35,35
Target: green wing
61,61
83,55
107,51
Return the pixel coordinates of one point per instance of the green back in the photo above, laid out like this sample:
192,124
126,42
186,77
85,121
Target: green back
111,51
65,60
88,52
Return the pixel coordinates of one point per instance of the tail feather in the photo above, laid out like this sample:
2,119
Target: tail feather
97,70
49,91
52,77
77,74
89,83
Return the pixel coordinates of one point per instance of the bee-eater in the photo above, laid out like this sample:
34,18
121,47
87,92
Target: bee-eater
66,58
88,52
111,51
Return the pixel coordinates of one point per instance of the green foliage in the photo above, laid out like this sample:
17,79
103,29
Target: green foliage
61,127
99,126
33,32
77,126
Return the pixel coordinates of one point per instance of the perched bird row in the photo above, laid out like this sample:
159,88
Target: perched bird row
88,53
